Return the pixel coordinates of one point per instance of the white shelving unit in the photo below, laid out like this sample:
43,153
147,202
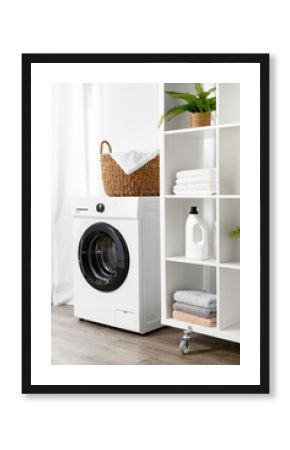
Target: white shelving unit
184,148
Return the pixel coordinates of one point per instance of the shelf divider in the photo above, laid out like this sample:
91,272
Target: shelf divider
200,262
189,196
208,131
230,265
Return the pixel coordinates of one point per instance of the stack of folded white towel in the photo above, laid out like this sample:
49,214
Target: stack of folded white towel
195,182
195,307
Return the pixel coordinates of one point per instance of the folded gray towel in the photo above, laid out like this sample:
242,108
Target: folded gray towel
196,298
196,310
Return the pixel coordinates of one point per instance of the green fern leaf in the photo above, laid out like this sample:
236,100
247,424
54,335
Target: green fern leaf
180,95
173,112
235,234
209,91
198,88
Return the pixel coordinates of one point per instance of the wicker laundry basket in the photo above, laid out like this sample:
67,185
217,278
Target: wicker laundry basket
144,182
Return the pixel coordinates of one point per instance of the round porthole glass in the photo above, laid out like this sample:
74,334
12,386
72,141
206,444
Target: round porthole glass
103,257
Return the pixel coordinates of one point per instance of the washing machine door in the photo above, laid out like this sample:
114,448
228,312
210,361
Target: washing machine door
103,257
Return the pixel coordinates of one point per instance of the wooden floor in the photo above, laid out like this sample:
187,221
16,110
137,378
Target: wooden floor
79,342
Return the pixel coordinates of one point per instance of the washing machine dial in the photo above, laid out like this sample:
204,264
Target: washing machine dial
100,207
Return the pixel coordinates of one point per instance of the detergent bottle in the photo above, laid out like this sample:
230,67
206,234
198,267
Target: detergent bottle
196,236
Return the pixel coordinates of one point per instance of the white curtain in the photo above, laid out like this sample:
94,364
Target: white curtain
70,166
82,116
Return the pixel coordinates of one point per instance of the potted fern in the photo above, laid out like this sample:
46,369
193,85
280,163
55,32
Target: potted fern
200,106
235,234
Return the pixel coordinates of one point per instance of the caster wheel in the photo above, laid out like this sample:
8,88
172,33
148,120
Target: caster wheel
184,347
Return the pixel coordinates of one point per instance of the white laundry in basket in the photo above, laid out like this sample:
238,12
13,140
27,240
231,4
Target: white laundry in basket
132,161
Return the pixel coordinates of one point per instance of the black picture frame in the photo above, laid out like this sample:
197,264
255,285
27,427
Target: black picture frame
27,61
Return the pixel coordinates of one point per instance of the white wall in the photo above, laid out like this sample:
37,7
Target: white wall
130,115
126,115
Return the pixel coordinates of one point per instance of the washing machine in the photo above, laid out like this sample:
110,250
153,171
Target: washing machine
117,262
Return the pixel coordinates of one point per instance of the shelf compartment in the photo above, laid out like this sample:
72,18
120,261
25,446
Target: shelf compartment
176,213
187,276
184,260
229,220
229,168
181,121
229,307
185,154
229,103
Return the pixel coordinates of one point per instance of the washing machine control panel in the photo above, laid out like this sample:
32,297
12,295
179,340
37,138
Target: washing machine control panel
111,207
100,207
